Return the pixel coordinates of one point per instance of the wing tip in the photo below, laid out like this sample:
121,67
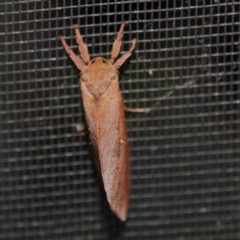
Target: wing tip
119,206
118,202
121,213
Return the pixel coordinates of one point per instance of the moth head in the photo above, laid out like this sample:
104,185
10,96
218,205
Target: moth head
99,62
99,69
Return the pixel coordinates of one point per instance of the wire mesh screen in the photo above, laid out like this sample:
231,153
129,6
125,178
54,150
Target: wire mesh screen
185,153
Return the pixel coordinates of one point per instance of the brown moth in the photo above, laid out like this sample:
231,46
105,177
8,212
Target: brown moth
105,119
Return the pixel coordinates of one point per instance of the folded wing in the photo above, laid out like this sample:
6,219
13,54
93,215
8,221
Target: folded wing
107,131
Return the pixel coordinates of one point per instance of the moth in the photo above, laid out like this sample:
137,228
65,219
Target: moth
105,119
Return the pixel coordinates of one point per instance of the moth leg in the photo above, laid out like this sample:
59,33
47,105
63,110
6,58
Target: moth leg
81,46
117,43
123,58
80,127
137,110
77,61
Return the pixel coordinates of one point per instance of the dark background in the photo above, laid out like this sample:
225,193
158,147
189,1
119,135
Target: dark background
185,154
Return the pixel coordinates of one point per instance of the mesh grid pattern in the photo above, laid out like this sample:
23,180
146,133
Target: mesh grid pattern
185,154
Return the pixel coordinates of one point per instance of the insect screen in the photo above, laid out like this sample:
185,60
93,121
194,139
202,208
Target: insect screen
185,153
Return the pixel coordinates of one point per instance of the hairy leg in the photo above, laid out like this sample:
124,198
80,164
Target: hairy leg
80,127
82,46
137,110
117,43
124,57
77,61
